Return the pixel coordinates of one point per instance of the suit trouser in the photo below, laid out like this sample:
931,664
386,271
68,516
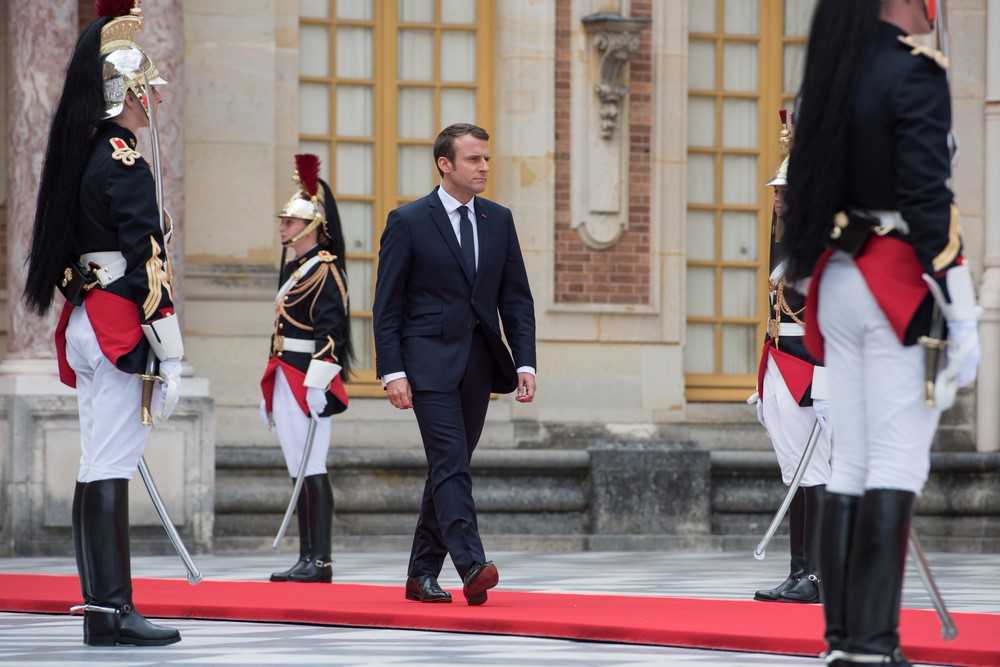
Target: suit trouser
883,427
450,425
789,426
112,437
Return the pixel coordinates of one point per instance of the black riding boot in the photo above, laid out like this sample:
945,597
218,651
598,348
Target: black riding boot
875,574
78,539
111,618
796,546
305,542
836,537
319,507
807,587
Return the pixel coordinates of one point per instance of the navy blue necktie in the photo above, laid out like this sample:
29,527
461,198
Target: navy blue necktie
466,241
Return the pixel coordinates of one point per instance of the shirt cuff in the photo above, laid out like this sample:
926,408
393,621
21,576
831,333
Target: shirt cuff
389,377
527,369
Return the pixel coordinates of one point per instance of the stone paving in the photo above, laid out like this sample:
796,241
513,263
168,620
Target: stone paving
967,581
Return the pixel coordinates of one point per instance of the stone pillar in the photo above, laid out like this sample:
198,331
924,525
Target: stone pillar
988,420
40,39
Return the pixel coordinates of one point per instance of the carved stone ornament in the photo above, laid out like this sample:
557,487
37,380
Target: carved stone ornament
616,38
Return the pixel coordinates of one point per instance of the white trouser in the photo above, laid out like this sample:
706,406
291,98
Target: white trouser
883,427
789,426
292,426
112,437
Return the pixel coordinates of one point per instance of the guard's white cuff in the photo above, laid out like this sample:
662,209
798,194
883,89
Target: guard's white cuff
820,390
164,336
320,374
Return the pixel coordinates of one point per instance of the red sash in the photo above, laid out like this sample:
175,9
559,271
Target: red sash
115,320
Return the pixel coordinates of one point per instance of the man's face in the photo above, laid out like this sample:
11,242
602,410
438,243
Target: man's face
923,13
289,227
779,200
471,166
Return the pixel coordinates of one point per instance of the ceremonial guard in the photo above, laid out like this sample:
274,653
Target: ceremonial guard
303,384
100,237
790,399
870,216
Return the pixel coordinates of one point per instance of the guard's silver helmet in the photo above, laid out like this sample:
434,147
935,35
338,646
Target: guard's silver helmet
124,66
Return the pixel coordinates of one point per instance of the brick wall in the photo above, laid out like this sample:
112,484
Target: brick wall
620,274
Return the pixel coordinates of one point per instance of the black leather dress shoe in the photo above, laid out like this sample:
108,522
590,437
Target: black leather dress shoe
478,580
425,588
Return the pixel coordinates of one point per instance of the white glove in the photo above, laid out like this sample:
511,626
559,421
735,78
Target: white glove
170,390
265,418
821,408
962,314
754,400
316,399
962,352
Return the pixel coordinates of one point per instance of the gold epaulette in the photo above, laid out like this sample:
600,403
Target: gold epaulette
123,152
325,256
926,51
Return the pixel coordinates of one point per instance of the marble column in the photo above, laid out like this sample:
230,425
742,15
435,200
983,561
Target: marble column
40,39
988,421
162,38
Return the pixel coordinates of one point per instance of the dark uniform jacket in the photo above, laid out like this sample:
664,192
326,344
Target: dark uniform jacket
899,157
315,310
118,212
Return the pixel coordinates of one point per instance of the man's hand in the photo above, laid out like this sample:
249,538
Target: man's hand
525,387
399,393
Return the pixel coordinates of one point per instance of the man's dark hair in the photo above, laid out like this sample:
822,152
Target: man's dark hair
444,145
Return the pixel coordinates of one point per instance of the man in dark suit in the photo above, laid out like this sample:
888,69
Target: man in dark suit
450,271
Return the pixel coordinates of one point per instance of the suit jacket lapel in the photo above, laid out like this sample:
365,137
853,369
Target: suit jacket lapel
482,231
443,225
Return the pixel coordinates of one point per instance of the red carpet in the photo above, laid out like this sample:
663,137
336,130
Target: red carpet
715,624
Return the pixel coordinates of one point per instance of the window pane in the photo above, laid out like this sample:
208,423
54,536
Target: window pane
739,237
458,106
314,9
416,170
358,10
458,11
739,179
416,11
458,56
314,108
322,151
701,121
700,291
739,290
356,220
795,60
314,54
701,16
354,111
354,53
701,65
416,55
361,339
798,15
416,113
740,65
741,17
359,289
354,169
701,179
739,349
699,349
700,235
739,124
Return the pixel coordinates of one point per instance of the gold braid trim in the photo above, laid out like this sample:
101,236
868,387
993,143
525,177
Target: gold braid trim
157,280
331,346
950,252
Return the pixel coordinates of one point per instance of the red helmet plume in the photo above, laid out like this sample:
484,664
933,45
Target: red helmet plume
113,8
307,168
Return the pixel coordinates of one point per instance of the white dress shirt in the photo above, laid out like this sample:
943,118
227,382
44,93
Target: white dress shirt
451,206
